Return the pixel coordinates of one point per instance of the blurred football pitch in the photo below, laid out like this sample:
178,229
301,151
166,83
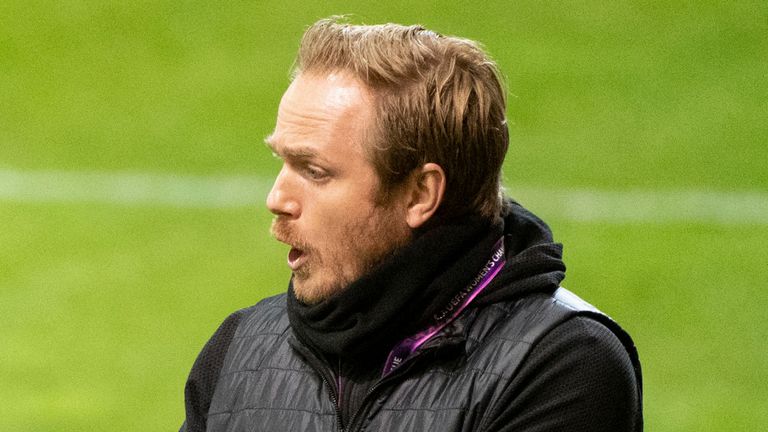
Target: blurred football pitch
132,178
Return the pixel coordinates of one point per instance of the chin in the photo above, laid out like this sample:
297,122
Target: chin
311,293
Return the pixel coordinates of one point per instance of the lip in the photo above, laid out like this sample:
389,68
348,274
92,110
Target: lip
296,258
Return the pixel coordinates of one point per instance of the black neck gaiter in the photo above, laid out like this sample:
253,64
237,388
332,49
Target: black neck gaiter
367,318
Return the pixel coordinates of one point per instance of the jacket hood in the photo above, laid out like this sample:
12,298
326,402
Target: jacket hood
534,259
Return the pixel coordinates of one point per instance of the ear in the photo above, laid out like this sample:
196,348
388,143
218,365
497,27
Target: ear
425,193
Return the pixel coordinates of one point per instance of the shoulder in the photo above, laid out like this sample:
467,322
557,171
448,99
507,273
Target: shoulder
204,374
563,317
583,370
580,371
267,316
584,342
566,333
268,310
237,324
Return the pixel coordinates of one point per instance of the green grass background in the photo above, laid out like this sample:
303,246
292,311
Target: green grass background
103,308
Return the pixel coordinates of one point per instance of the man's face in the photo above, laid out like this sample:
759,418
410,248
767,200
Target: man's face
324,198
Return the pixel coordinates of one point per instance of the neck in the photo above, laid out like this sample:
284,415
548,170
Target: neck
416,281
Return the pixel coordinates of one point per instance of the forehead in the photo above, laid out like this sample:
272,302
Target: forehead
326,112
326,90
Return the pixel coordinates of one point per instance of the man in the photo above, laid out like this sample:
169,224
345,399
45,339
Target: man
421,299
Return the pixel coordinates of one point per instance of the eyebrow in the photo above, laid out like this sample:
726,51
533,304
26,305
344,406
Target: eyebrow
299,153
269,141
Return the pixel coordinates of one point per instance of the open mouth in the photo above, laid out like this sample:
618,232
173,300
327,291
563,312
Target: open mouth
296,258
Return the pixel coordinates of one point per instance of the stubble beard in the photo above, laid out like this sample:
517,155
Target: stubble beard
344,254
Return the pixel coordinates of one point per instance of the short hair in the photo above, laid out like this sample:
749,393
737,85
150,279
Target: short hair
438,99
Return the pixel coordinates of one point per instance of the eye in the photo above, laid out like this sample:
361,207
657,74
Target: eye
315,173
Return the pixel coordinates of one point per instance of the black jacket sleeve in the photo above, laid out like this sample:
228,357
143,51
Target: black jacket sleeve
204,374
577,378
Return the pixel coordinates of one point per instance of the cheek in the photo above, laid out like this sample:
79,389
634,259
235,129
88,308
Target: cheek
329,230
337,215
332,211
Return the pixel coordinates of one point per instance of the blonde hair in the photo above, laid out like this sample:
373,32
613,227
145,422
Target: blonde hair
438,99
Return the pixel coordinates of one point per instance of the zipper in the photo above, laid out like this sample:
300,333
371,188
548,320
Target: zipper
405,367
431,346
312,358
398,373
335,402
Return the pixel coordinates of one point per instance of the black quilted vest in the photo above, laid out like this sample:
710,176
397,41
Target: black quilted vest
266,385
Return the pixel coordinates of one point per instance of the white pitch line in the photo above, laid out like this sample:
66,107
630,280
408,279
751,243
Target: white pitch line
132,188
590,205
738,207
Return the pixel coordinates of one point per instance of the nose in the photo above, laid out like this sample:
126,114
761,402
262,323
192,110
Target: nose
283,197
